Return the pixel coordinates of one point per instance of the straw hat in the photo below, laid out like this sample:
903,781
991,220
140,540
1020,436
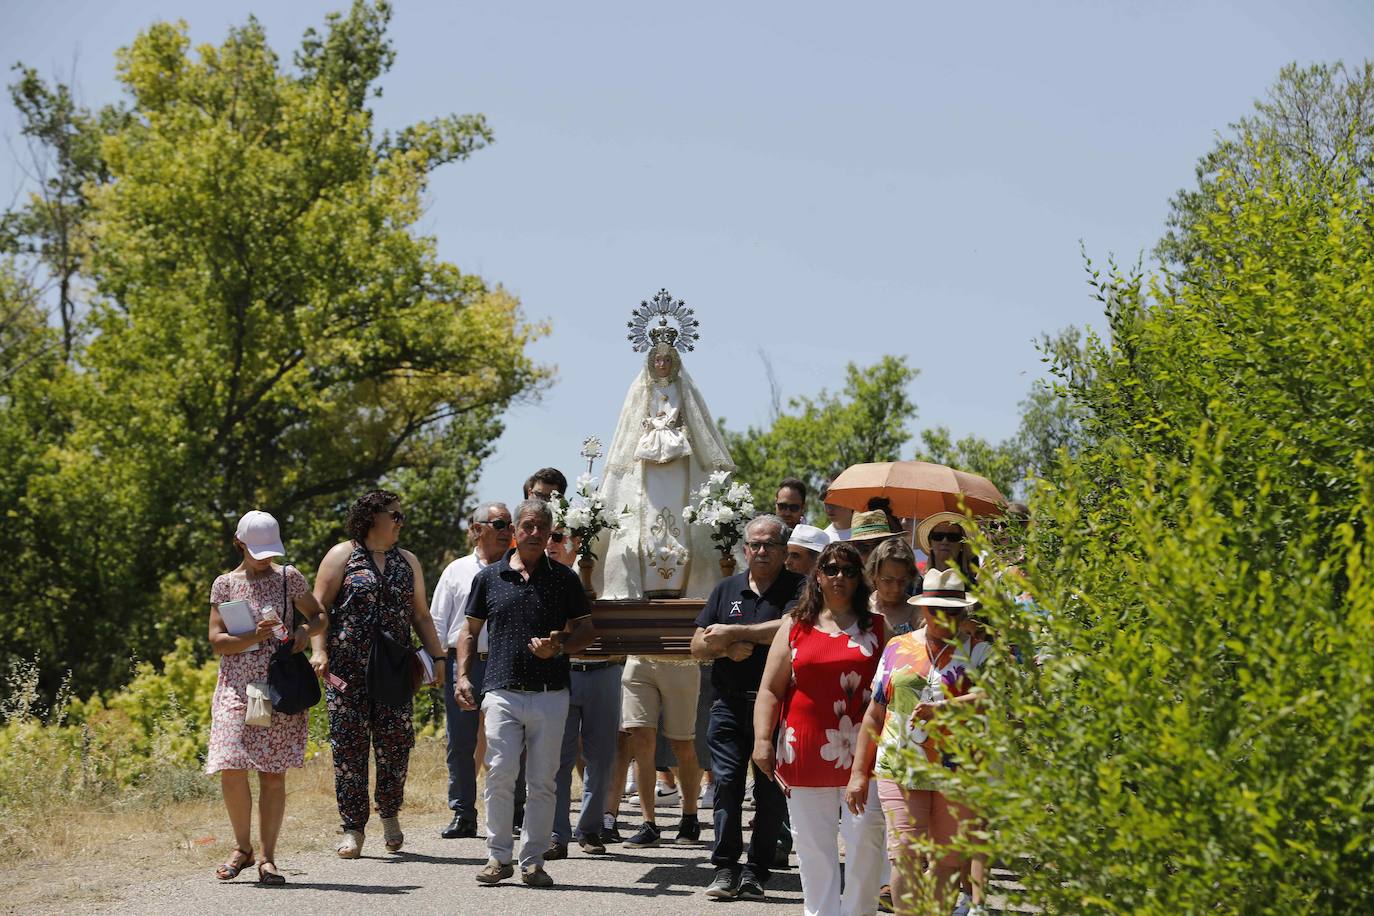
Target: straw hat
929,523
869,526
943,588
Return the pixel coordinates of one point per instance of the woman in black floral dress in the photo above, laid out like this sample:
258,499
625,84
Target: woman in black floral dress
369,583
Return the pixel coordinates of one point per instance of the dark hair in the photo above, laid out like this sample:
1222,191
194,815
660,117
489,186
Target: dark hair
813,601
894,549
793,483
551,476
359,521
884,505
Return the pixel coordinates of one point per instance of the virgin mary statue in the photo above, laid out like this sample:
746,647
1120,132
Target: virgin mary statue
665,446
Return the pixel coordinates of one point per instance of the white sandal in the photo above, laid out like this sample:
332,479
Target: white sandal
391,833
351,846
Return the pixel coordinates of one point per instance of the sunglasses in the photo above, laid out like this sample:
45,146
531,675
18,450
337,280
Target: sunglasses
397,516
499,524
557,537
832,570
951,536
788,507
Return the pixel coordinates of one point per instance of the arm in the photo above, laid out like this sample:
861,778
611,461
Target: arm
865,752
732,639
777,671
441,609
328,581
578,631
224,644
420,619
467,650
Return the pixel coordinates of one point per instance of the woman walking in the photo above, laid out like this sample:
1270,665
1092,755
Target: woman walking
257,597
818,671
374,590
891,568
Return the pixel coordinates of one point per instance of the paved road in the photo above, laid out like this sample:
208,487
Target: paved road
432,875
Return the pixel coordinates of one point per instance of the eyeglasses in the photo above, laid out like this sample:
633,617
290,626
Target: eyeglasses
397,516
762,545
788,507
952,536
557,537
499,524
835,569
893,580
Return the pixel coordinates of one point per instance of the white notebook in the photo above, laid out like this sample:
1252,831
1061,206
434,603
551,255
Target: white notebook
238,619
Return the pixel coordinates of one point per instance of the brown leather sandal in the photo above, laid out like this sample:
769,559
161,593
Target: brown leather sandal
231,869
270,878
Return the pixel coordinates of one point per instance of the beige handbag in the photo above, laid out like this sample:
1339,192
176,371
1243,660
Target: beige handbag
259,705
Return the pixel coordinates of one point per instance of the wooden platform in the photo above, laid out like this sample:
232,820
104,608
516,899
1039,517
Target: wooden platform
657,626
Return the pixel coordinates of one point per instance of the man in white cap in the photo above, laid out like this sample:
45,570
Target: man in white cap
804,547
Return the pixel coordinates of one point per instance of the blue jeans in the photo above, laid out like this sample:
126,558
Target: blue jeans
460,728
731,737
594,715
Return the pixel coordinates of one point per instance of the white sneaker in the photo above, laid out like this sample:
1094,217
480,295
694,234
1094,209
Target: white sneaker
668,796
707,798
631,784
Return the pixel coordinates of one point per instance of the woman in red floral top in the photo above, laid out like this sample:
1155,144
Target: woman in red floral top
817,682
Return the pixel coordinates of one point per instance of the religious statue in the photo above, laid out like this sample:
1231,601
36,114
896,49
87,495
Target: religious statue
665,446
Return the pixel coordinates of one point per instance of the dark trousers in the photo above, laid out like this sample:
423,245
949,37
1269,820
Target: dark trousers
460,728
731,737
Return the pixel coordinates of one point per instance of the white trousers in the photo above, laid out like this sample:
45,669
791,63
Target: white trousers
531,723
819,818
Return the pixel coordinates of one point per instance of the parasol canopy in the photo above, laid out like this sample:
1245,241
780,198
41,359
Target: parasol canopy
915,488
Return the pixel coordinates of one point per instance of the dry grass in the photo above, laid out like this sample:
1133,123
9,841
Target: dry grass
67,857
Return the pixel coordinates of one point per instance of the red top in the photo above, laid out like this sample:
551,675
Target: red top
825,702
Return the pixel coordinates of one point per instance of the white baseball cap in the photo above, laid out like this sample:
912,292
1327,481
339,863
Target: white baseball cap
810,537
260,535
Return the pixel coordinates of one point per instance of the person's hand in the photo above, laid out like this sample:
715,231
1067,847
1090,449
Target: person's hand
547,648
739,651
718,636
320,662
464,694
302,639
925,711
264,629
438,673
763,756
856,793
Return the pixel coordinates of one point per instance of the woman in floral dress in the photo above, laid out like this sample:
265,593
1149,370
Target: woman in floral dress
235,746
371,585
919,674
816,681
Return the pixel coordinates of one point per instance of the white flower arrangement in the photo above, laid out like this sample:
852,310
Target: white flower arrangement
724,508
583,515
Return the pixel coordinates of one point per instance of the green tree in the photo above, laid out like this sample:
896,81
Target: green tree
818,437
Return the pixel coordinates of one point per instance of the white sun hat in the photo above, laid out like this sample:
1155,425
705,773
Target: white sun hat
810,537
260,535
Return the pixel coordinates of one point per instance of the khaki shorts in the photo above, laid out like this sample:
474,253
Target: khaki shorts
650,686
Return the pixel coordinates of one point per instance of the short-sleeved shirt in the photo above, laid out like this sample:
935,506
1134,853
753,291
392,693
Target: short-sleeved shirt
516,610
733,602
906,676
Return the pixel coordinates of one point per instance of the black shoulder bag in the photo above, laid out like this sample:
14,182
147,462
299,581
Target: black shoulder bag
391,676
291,682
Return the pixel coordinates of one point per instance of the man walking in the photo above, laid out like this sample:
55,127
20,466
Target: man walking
735,629
790,502
536,614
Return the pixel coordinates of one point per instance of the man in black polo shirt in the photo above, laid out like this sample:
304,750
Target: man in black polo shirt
536,614
735,628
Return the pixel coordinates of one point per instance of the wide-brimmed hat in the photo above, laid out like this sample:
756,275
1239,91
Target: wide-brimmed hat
869,526
943,588
810,537
929,523
260,535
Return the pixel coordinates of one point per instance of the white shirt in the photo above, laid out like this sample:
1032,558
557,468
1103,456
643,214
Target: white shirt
838,534
451,601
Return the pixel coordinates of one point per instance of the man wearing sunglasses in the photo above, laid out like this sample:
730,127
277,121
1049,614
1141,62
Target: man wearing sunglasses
791,501
735,628
489,533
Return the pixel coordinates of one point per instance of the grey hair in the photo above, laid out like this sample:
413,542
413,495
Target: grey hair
768,518
481,514
534,506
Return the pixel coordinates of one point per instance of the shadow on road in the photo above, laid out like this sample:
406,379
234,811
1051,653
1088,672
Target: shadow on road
384,889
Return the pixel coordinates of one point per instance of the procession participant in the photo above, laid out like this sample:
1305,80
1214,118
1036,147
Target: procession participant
891,568
840,517
371,587
545,482
236,747
790,501
650,687
536,613
944,538
921,673
743,613
489,533
805,544
815,691
868,529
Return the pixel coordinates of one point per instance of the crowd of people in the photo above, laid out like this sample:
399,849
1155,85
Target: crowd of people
815,674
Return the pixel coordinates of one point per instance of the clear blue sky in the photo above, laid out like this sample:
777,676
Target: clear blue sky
824,182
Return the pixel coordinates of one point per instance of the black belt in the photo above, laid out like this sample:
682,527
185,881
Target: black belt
482,656
590,666
745,695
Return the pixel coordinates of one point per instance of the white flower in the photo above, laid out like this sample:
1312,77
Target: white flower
585,482
866,641
849,682
786,737
687,513
577,518
839,743
739,492
839,708
718,478
725,516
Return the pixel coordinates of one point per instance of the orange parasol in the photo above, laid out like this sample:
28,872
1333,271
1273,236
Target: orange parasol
916,488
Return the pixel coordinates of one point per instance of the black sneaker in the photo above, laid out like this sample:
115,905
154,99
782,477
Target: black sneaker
781,853
725,885
592,844
556,851
750,887
460,828
611,834
688,831
647,835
